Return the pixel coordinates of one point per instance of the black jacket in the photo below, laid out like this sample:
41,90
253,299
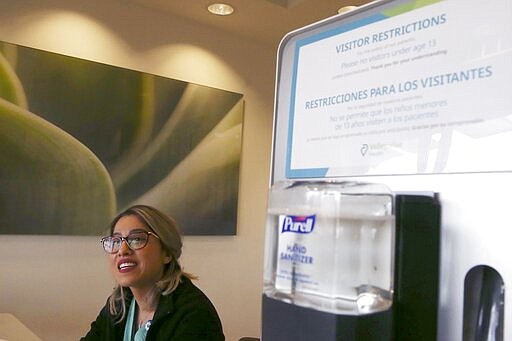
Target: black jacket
184,315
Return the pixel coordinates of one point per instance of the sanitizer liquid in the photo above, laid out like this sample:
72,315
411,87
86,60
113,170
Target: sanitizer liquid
330,246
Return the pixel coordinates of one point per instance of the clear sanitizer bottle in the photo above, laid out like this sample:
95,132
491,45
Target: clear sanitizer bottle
330,246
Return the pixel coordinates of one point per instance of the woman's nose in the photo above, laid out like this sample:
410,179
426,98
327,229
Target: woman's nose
124,248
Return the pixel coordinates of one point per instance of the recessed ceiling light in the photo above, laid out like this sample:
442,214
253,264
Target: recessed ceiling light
346,9
221,9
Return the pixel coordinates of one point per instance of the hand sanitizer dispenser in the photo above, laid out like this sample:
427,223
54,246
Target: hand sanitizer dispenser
329,261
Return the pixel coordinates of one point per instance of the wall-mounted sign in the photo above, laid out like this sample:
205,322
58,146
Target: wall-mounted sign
414,87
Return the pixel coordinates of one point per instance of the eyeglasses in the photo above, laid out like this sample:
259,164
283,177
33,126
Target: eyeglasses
135,241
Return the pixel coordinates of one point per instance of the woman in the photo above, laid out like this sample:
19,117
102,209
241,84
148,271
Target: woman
154,299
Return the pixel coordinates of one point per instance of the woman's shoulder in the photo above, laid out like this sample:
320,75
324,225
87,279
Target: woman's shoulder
188,312
188,293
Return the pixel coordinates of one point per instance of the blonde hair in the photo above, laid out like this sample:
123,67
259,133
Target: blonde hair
166,228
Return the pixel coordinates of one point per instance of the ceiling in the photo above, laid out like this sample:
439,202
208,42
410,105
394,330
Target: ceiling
265,21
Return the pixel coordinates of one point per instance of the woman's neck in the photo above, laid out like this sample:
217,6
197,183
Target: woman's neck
147,302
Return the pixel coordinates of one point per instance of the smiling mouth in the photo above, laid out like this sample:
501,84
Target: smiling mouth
126,265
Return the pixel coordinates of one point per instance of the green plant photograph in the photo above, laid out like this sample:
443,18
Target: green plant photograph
81,140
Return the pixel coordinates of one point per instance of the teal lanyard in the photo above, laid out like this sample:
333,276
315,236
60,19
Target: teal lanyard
140,335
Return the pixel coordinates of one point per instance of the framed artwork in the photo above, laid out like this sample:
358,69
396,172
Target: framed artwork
81,140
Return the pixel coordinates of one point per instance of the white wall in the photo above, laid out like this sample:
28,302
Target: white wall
56,284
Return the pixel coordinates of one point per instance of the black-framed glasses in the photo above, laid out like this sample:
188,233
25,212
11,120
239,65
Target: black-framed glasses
135,241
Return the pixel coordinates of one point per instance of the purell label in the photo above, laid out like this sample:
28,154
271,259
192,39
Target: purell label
298,224
299,245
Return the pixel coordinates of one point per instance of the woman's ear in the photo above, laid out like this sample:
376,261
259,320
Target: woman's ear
167,259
